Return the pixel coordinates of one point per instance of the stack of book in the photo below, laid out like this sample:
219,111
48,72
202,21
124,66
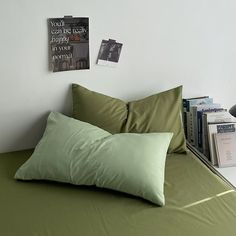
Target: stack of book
207,126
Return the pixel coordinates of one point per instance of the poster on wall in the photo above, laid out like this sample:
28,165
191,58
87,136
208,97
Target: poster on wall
109,53
68,43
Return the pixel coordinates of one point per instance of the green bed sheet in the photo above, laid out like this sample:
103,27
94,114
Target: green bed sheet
197,203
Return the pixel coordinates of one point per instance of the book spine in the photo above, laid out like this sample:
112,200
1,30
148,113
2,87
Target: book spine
185,124
185,118
211,145
190,126
200,126
199,130
205,142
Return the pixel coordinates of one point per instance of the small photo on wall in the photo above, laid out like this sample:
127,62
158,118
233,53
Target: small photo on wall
109,53
69,43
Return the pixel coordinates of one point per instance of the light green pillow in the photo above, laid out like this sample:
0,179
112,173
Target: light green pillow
160,112
79,153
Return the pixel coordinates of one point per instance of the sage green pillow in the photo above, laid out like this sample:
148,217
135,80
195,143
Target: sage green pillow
79,153
157,113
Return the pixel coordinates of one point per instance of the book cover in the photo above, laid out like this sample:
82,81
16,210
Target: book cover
225,144
218,116
188,102
217,128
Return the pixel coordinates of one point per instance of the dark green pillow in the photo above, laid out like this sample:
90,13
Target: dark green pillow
157,113
100,110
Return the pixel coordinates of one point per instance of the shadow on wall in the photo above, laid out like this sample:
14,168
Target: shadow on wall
28,134
66,104
29,126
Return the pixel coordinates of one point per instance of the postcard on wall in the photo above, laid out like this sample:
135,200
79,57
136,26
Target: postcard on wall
109,53
68,43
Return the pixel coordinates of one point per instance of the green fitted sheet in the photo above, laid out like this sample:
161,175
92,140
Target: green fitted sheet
197,203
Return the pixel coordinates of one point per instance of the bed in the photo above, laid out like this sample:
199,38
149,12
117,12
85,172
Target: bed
197,203
194,200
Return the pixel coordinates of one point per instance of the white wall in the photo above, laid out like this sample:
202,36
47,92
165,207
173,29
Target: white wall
166,43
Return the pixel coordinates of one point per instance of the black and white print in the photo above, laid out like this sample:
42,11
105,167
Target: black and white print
109,52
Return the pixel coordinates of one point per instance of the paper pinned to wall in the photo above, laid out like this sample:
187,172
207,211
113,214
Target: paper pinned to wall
69,43
109,53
